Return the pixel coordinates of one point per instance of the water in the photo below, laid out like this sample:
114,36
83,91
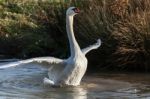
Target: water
26,82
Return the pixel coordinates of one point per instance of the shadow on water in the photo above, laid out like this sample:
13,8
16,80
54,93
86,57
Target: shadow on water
27,82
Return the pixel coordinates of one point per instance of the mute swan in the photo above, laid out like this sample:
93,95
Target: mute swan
64,71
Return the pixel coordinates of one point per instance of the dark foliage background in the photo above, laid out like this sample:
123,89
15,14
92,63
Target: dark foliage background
32,28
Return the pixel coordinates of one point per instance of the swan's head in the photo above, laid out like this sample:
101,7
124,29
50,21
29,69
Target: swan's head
71,11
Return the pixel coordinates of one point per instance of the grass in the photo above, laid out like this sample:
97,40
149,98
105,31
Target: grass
30,28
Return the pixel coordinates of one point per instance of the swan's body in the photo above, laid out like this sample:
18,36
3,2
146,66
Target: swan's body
64,71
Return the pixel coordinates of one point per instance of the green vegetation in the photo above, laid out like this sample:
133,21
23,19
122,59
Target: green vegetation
31,28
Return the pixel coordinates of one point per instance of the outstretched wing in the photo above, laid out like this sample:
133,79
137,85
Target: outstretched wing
48,60
91,47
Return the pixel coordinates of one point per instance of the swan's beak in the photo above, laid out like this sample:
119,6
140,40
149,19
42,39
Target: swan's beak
76,10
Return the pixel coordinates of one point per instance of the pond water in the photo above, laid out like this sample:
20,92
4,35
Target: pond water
26,82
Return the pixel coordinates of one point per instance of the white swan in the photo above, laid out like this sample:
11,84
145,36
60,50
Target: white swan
64,71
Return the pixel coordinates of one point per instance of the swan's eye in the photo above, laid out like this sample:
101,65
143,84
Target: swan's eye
76,10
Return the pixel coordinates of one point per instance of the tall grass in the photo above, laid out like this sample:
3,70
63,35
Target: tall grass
37,28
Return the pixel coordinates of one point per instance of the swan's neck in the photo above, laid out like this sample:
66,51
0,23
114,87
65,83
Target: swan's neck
74,47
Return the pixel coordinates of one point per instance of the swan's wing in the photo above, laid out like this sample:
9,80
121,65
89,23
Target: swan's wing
91,47
48,60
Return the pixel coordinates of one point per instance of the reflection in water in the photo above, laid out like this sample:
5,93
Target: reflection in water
65,93
78,93
27,82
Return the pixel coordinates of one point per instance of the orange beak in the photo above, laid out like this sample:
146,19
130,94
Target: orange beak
76,10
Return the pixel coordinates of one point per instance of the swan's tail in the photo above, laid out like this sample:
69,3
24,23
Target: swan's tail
48,81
